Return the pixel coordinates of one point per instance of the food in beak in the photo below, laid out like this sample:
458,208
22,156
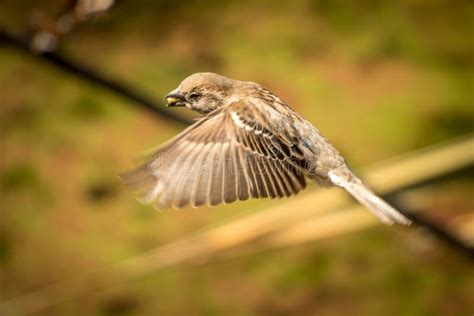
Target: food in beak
175,99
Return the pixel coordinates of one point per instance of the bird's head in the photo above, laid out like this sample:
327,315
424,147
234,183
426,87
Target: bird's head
202,92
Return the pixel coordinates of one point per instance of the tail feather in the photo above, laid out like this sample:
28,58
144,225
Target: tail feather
381,209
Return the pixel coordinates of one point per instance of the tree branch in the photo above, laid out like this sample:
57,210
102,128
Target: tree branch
81,71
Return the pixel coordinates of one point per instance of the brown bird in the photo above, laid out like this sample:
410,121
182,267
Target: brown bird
248,144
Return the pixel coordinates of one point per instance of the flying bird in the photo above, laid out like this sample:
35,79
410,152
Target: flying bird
248,144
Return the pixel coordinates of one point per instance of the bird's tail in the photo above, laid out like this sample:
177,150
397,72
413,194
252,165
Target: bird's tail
381,209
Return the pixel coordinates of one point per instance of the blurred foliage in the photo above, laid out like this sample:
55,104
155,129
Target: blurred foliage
379,78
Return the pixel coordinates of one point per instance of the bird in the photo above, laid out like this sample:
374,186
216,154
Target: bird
247,143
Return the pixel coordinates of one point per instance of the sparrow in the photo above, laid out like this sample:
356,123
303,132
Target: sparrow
248,143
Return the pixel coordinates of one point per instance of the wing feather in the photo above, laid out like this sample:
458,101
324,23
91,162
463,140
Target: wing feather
229,178
264,177
251,161
279,185
187,177
246,185
199,191
213,193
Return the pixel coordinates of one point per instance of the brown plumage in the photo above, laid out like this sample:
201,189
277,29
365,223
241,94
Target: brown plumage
248,144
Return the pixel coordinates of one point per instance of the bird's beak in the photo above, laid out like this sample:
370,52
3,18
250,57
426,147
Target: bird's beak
174,98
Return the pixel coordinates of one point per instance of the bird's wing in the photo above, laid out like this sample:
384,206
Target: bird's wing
234,153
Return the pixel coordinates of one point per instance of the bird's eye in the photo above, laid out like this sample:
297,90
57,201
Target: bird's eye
194,96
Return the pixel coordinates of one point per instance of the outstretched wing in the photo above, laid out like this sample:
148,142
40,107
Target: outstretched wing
239,152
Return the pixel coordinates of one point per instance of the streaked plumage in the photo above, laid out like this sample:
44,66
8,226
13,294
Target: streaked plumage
248,144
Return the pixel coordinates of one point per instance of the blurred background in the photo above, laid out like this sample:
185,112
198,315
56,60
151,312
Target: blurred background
379,79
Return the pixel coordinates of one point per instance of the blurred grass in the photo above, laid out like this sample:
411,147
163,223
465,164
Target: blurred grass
378,78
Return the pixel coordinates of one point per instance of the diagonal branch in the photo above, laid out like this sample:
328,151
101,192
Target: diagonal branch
81,71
